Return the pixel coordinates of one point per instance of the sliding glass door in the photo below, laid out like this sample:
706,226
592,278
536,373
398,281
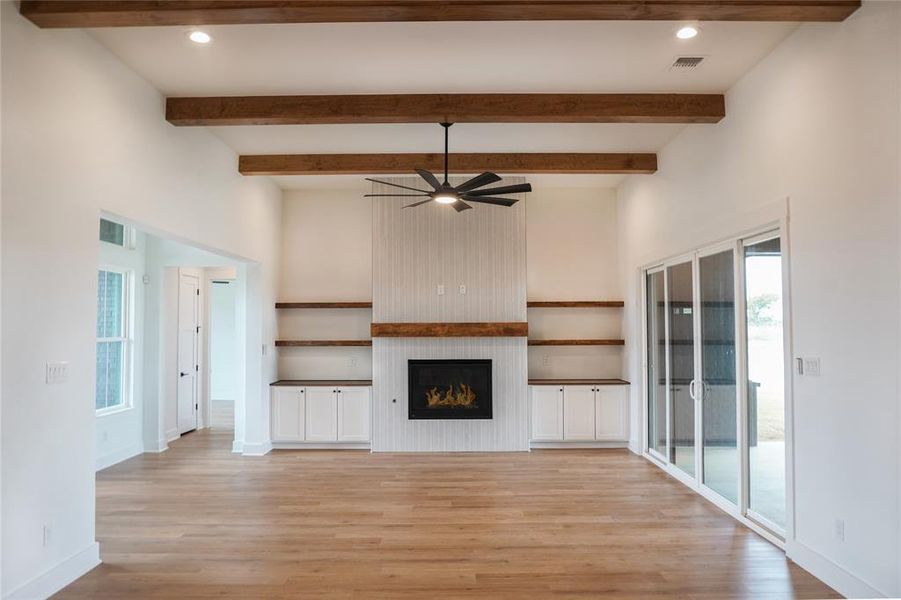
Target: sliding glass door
765,386
656,357
715,375
680,345
717,386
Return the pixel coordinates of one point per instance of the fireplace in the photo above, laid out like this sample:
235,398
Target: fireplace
449,389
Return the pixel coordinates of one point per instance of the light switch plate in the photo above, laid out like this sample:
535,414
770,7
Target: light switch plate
57,372
440,289
812,367
462,289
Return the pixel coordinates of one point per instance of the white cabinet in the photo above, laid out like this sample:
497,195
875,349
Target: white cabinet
611,403
547,413
287,414
353,414
322,414
578,413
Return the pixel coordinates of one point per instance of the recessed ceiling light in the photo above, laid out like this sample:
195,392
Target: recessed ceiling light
687,32
200,37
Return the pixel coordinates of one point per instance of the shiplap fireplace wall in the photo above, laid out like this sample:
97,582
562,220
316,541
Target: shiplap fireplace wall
414,252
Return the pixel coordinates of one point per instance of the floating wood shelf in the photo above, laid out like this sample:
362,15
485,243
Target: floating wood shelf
575,304
312,343
513,329
595,342
323,305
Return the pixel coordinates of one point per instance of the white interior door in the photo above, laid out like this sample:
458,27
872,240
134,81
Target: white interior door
188,324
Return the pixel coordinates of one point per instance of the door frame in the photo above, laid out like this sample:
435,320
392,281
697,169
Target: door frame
766,229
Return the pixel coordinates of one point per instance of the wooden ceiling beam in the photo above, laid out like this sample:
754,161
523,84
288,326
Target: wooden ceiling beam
453,108
384,164
141,13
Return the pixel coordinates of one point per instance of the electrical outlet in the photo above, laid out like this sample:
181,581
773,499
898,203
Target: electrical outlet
463,289
545,360
840,530
105,436
440,289
47,535
57,372
353,361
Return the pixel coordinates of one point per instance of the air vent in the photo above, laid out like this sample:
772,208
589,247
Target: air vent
687,62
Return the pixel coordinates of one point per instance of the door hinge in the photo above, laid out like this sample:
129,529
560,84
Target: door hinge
198,291
196,407
196,367
198,329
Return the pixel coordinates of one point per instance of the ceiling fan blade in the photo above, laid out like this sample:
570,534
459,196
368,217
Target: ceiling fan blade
397,185
488,200
460,206
430,179
417,203
478,181
507,189
394,195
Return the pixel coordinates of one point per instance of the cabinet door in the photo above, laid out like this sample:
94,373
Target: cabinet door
287,414
353,414
610,411
322,414
547,413
578,413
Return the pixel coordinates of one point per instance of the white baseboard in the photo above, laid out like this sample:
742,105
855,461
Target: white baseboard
237,447
836,577
321,446
258,449
113,458
53,580
172,434
574,445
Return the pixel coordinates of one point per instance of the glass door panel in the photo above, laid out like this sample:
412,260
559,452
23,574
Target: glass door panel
766,381
656,349
681,355
718,385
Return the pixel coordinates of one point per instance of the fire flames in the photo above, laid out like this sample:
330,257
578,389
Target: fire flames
461,397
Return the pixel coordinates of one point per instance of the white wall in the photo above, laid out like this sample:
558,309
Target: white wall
81,134
119,435
327,255
223,363
816,121
572,255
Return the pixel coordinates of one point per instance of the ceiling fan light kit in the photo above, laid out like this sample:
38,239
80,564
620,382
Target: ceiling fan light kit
458,196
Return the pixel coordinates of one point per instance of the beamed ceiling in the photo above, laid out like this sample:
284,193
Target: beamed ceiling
318,93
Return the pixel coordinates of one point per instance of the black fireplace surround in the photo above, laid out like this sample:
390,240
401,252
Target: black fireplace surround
449,389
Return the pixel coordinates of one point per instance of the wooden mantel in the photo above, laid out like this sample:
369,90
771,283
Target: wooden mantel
511,329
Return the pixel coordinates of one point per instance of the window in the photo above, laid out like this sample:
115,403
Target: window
113,340
117,234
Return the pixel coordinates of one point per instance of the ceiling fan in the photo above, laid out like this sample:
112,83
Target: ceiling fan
457,196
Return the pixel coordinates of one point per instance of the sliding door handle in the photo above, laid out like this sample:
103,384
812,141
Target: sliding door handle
691,389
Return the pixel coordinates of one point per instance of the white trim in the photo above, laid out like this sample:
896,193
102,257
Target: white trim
113,458
127,338
572,445
237,446
320,446
56,578
172,434
835,576
257,449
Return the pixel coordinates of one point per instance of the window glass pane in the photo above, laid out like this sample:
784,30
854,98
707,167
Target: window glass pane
113,233
101,389
679,281
656,362
110,304
766,380
717,386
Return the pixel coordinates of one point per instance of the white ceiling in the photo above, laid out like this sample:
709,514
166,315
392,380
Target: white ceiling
489,57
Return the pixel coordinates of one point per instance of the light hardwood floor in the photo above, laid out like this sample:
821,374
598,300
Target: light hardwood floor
199,522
